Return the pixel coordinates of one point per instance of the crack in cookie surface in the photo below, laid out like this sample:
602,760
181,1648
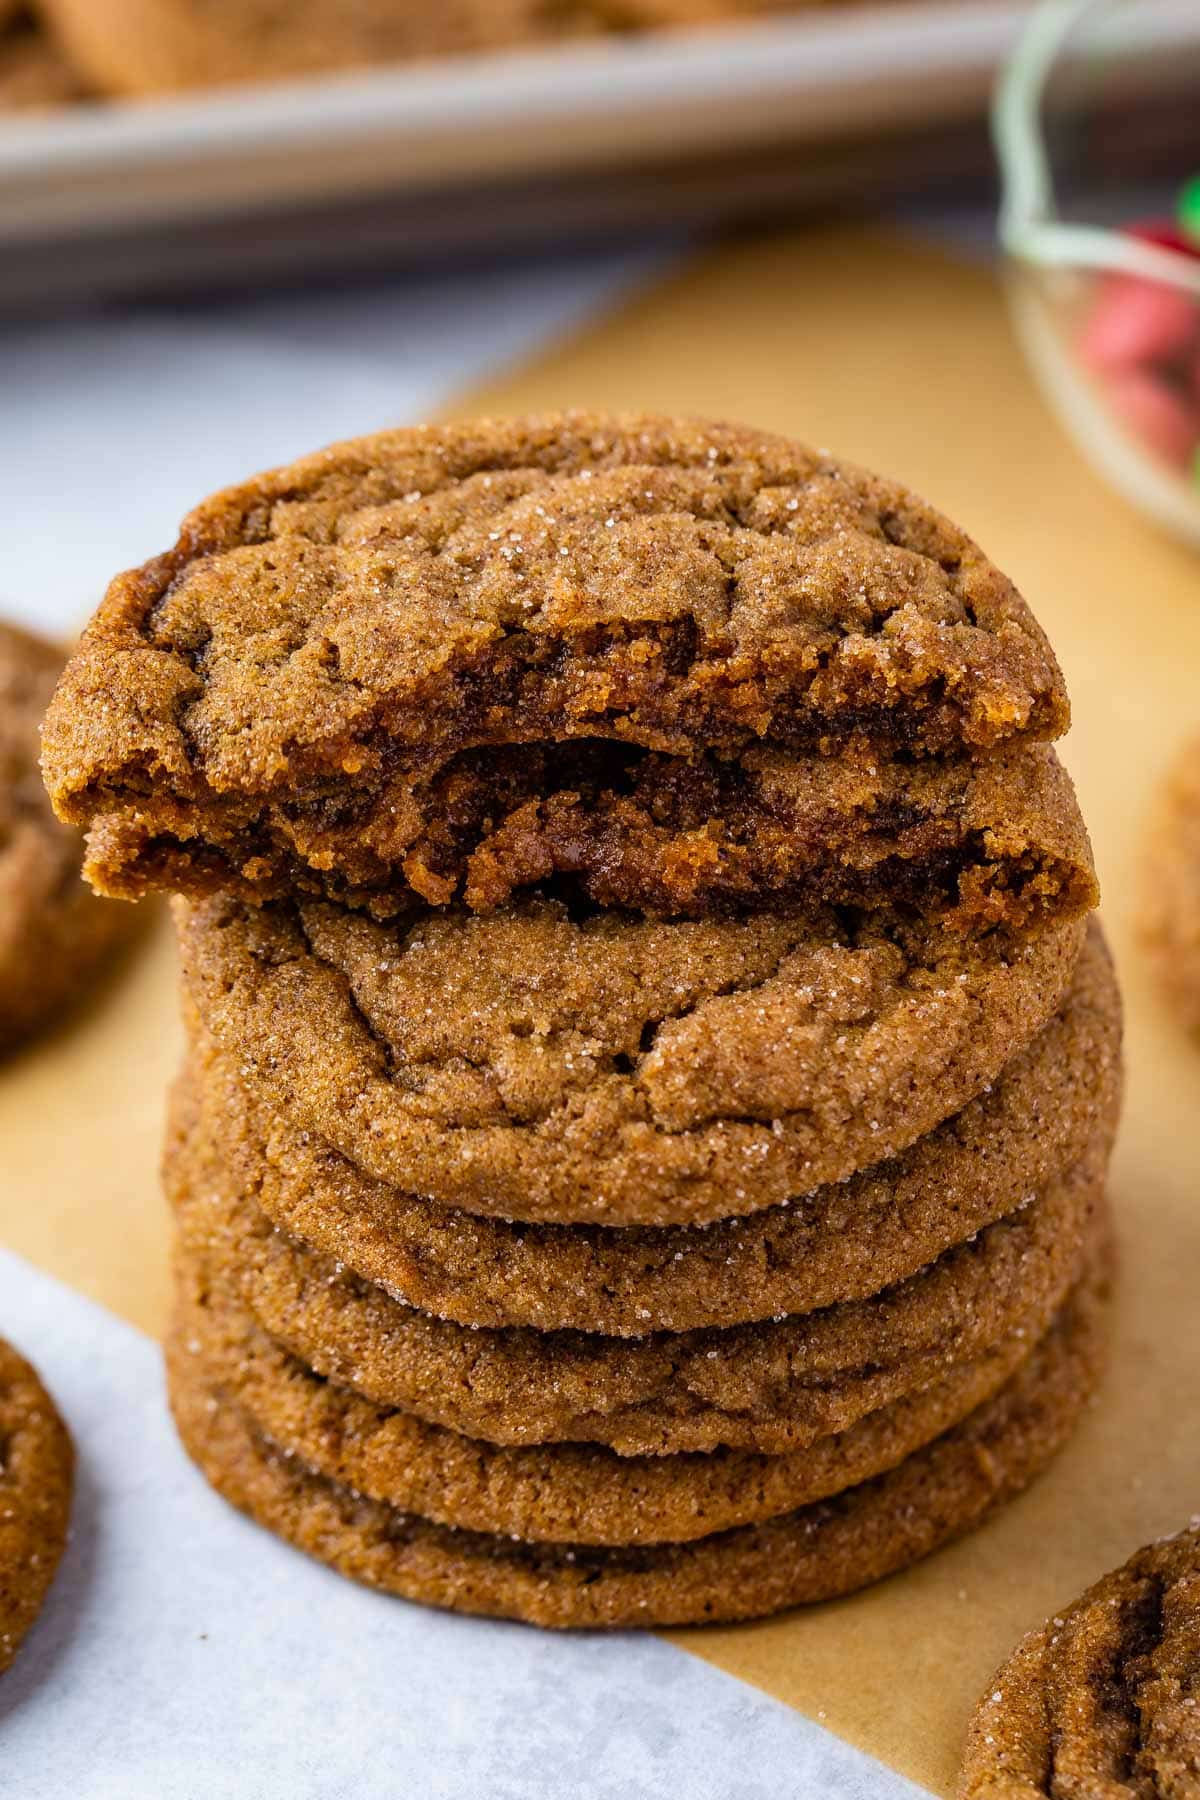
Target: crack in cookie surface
533,1066
321,636
1104,1699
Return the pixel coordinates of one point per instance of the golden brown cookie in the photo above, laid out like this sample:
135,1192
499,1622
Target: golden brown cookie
54,932
1170,918
771,1387
558,1493
529,1065
36,1476
135,47
288,693
821,1550
34,73
1048,1107
1103,1702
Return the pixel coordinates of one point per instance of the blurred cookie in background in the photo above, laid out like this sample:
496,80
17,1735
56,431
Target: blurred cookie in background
36,1482
1170,911
1101,1702
54,932
34,72
135,47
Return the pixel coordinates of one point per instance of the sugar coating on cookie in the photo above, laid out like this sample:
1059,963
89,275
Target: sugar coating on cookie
1103,1701
531,1065
827,1548
1050,1106
54,933
297,696
36,1478
771,1386
562,1492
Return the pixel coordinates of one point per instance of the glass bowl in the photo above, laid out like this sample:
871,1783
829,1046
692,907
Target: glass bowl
1097,127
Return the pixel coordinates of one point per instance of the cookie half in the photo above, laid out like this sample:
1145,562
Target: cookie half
530,1065
815,1553
772,1386
257,708
54,933
1104,1700
36,1480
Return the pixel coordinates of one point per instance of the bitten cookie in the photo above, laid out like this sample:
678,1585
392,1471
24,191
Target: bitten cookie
297,696
36,1475
54,933
1103,1701
1049,1106
1170,920
822,1550
529,1065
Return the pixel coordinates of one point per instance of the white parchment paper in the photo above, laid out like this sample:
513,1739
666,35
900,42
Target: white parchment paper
186,1655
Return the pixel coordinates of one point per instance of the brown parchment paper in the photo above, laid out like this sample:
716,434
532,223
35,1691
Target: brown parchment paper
893,355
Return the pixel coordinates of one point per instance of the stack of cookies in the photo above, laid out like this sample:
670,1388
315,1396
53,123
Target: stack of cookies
641,1150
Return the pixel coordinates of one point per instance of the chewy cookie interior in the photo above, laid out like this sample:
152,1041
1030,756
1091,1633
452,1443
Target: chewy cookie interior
621,826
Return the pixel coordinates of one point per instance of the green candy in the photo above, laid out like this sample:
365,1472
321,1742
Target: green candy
1187,212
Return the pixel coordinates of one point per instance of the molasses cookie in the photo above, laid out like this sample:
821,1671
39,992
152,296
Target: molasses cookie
559,1493
34,73
821,1550
53,932
1049,1106
530,1065
137,47
295,696
1104,1700
1171,888
770,1387
36,1474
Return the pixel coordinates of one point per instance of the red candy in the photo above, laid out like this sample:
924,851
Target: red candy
1166,235
1141,339
1163,419
1134,321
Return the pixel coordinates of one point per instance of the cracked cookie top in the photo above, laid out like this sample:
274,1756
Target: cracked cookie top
534,1065
1104,1699
254,707
1052,1105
